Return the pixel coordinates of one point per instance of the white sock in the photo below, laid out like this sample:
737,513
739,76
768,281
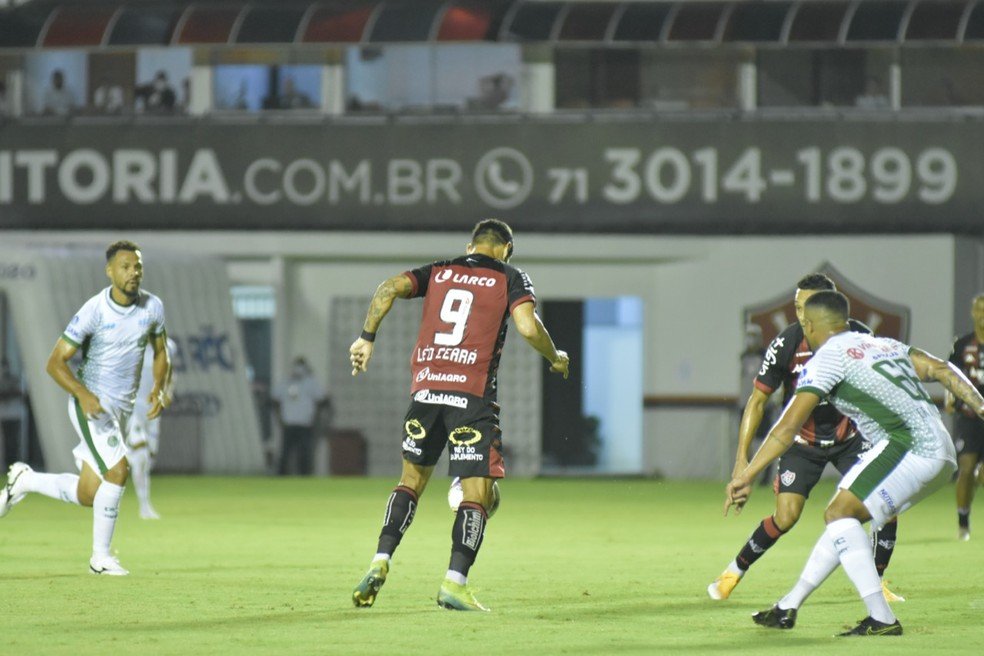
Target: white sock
457,577
381,556
854,550
140,475
822,562
64,487
105,508
735,569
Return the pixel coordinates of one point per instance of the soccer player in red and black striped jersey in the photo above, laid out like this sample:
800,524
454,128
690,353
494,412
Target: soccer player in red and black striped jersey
827,436
467,302
968,432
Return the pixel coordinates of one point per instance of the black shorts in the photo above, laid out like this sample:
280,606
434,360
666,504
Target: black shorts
968,435
801,466
468,425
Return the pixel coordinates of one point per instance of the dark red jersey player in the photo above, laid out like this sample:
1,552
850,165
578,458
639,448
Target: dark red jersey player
826,437
467,302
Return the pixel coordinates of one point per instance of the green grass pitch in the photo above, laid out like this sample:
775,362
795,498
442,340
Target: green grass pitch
258,565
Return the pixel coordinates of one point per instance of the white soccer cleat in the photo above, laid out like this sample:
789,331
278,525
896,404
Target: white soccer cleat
106,565
148,512
12,493
963,534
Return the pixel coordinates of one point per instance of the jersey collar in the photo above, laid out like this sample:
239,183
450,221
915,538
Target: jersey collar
116,307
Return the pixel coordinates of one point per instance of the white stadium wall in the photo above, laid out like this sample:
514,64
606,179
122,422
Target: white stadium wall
694,291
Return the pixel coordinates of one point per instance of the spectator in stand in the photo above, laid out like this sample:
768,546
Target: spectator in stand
156,97
58,100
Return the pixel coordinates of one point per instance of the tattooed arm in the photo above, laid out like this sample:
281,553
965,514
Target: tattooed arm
389,290
929,367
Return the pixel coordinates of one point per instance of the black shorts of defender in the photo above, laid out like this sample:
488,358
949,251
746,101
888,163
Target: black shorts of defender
968,435
802,465
469,427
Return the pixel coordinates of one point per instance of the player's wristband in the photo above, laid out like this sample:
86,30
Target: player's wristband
368,336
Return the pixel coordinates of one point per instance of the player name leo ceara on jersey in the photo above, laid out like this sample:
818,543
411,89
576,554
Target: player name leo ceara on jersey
457,360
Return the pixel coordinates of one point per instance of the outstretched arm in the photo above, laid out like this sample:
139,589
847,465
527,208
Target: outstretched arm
779,439
929,367
530,326
751,419
388,291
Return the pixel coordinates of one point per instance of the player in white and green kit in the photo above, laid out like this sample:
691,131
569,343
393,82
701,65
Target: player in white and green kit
877,382
113,329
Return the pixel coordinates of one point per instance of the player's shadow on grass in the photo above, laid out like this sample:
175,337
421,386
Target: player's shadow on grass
936,540
39,576
607,607
789,641
273,618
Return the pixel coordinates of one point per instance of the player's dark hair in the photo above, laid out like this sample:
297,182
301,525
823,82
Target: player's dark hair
118,246
492,231
816,281
831,301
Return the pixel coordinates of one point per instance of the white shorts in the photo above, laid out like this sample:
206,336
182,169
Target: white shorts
889,479
143,432
102,441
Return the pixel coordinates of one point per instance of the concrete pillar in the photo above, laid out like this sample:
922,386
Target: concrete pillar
333,89
748,86
201,91
537,85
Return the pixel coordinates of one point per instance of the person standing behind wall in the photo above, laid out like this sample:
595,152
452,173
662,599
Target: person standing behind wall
297,401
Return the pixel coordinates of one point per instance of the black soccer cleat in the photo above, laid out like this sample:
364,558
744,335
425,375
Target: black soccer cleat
872,627
776,618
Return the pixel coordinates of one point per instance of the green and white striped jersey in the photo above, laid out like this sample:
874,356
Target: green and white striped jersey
872,380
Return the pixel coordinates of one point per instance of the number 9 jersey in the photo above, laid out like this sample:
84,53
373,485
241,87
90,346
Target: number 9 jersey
467,302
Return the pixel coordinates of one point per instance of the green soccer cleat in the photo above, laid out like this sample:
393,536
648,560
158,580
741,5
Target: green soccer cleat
454,596
776,618
872,627
365,593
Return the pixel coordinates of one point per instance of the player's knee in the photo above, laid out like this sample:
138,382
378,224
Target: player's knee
844,508
415,478
834,512
118,474
786,517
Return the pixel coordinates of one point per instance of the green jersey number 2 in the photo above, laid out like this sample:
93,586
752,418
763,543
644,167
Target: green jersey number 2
900,373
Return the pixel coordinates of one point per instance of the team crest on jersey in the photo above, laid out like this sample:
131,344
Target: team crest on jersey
787,477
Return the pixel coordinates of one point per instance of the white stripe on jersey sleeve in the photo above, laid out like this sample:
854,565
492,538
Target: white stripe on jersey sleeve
85,322
823,371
